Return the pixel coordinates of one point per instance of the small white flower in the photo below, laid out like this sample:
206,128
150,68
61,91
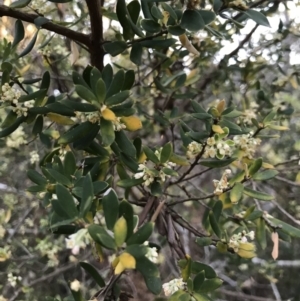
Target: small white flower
251,235
34,157
75,285
173,286
152,254
77,240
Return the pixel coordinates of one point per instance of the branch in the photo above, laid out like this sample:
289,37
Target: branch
61,30
96,50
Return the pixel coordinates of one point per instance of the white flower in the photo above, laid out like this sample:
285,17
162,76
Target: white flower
173,286
247,143
77,240
152,254
13,280
75,285
118,125
251,235
211,141
17,138
221,185
193,149
34,157
93,117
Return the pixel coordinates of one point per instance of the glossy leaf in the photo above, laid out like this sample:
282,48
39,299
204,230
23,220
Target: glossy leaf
19,33
265,175
198,281
261,234
257,17
192,20
100,236
30,45
236,193
115,48
87,195
141,235
257,194
93,273
217,163
110,205
166,152
255,166
20,3
66,201
107,131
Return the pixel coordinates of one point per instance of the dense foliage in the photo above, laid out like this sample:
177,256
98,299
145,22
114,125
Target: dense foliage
154,139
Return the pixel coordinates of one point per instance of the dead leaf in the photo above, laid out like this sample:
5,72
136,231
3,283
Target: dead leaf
275,240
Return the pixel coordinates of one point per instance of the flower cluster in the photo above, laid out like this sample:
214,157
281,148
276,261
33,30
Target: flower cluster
152,254
94,117
34,157
240,245
16,139
247,144
249,114
215,146
13,280
77,240
9,94
173,286
159,173
221,185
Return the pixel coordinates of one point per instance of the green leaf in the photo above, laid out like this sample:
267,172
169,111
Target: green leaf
286,228
107,131
100,236
110,205
258,195
192,20
87,195
69,163
19,33
123,16
107,75
136,54
10,118
265,175
115,48
217,163
125,144
269,117
20,3
261,234
217,209
126,210
150,155
150,273
117,98
150,25
85,94
236,193
166,152
116,83
66,201
120,231
128,80
255,166
93,273
214,224
156,188
156,13
59,177
36,178
141,235
40,21
100,90
176,30
202,116
207,16
99,186
38,125
198,281
186,270
257,17
198,267
170,10
127,183
203,241
76,133
158,43
200,297
210,285
30,45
